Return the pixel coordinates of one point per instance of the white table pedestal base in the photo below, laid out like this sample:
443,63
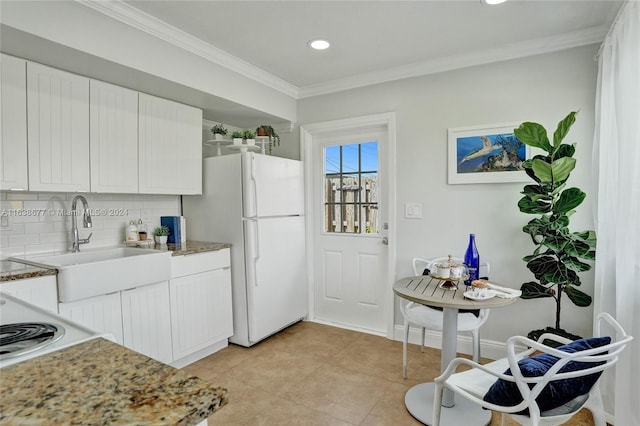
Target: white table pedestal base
419,402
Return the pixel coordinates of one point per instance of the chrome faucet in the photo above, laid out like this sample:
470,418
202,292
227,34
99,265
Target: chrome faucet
86,222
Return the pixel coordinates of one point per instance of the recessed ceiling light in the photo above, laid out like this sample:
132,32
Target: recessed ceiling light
492,1
319,44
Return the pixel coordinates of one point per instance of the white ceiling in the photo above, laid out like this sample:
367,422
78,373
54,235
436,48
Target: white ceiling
374,41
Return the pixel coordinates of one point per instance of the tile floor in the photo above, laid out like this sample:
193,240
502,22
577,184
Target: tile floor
313,374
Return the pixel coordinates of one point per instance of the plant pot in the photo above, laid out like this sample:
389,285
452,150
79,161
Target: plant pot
251,142
261,131
161,239
535,334
218,137
237,141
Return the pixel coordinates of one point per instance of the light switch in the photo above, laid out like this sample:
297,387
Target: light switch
413,211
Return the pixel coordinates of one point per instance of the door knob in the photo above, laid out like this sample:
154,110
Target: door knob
385,241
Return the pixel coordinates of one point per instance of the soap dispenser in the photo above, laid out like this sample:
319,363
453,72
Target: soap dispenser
131,232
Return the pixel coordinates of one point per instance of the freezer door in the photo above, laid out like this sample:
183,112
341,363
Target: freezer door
276,277
273,186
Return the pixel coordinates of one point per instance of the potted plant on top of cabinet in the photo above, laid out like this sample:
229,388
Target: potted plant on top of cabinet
219,131
266,130
237,137
559,253
250,137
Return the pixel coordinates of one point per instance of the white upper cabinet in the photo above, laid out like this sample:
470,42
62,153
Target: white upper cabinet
58,130
170,147
114,138
13,123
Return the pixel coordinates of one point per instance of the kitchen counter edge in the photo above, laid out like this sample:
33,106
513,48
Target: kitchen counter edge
191,247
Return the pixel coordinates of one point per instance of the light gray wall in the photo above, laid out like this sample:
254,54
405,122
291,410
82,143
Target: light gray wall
541,88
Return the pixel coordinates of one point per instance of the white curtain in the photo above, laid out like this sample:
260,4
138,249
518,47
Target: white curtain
616,158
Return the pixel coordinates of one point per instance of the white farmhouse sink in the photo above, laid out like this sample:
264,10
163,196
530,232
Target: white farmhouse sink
102,271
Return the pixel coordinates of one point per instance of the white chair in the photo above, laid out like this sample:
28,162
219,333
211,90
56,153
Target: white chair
541,389
428,318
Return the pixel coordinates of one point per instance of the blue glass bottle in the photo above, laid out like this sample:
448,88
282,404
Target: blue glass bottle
472,259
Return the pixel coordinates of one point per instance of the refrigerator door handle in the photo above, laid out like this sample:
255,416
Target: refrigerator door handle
249,181
254,250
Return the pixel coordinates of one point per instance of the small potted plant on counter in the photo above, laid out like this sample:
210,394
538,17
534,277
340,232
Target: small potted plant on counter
219,131
161,233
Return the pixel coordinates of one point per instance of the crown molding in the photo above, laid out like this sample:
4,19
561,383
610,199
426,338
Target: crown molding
538,46
142,21
135,18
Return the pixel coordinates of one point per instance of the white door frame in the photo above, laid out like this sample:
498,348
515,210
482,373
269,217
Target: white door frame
310,132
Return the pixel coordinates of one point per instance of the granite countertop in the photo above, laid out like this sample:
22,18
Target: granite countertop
11,271
102,383
191,247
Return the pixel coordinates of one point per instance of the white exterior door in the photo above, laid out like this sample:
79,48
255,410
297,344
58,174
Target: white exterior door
350,187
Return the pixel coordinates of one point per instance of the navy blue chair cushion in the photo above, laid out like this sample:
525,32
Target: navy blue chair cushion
557,392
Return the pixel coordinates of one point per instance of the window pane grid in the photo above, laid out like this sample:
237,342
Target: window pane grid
351,192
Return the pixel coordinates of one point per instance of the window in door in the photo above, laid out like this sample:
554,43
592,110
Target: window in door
351,188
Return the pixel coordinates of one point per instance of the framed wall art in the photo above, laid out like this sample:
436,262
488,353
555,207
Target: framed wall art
486,154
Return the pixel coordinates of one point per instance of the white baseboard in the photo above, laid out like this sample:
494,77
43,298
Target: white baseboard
348,327
196,356
488,348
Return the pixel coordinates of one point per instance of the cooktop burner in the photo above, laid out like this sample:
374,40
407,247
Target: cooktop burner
20,338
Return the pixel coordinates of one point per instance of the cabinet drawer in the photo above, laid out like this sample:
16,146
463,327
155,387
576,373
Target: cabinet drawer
199,262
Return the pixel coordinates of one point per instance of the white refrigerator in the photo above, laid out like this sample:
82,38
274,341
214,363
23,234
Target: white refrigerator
256,203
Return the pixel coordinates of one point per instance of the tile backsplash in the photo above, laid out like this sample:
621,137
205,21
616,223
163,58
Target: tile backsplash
39,222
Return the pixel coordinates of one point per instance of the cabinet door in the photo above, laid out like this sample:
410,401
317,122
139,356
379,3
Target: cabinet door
58,129
147,321
13,123
170,146
39,291
100,313
114,138
201,312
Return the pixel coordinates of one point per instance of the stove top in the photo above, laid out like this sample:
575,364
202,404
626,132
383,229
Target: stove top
28,331
21,338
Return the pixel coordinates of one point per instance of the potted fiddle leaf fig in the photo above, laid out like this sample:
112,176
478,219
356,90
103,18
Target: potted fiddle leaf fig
559,254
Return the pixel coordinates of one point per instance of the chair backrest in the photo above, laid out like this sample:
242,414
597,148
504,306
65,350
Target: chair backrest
583,363
420,264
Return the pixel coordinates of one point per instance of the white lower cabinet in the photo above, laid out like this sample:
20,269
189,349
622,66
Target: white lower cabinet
201,313
101,313
146,322
176,322
39,291
138,318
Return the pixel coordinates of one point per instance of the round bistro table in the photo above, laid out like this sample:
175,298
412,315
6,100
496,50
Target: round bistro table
427,290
